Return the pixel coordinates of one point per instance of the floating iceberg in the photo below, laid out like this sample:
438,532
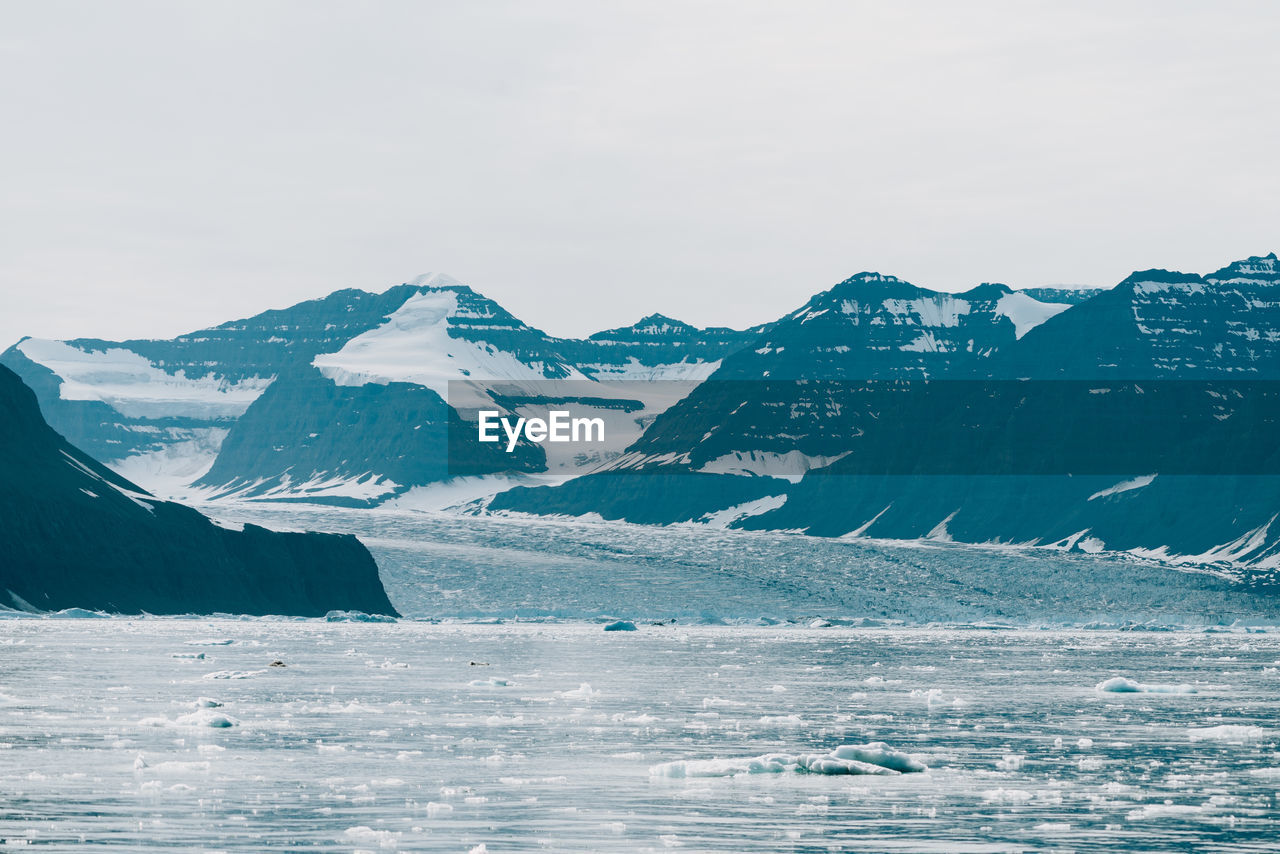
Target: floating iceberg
206,718
1230,733
233,674
1122,685
621,626
198,718
874,758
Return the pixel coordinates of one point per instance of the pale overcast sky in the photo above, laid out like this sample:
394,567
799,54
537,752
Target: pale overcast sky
170,165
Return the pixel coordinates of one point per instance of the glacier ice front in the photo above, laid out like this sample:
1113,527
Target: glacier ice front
874,758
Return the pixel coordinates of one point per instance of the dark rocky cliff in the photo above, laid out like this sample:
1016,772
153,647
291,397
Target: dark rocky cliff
74,534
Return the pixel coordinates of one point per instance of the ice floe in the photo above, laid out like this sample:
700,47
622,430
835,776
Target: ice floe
1231,733
364,835
234,674
1124,685
198,718
582,692
874,758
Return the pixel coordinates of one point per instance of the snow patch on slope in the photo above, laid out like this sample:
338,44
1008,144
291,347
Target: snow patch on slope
133,386
941,310
726,517
368,486
1124,486
789,466
413,345
636,371
169,470
1026,313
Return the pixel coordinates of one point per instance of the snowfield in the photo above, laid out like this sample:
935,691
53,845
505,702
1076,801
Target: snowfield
135,387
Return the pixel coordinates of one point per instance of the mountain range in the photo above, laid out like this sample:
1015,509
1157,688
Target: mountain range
353,399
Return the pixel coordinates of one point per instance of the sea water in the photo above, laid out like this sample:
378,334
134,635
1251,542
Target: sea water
777,693
419,736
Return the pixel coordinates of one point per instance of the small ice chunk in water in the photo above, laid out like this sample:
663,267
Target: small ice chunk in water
1156,811
621,626
200,718
874,758
233,674
365,835
1123,685
206,717
206,703
1230,733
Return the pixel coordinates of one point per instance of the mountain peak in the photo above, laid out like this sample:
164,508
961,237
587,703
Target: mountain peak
987,290
661,322
654,325
435,280
1263,268
872,278
1163,277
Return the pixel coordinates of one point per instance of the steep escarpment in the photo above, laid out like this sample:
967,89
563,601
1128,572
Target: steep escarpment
75,534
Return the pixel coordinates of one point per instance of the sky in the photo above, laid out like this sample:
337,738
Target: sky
168,166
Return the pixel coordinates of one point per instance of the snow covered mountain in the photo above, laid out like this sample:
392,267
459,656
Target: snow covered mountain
1163,324
158,410
1135,420
658,349
76,534
357,398
344,399
771,408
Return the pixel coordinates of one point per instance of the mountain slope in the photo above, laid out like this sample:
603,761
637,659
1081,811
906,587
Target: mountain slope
659,348
150,407
1163,324
380,415
341,399
75,534
783,405
1146,421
